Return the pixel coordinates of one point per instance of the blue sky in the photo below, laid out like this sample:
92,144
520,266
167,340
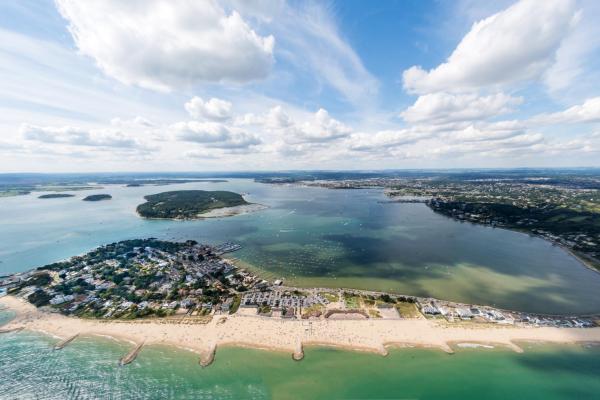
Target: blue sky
106,85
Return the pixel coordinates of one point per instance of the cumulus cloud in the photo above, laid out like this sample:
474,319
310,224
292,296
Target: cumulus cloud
588,112
515,44
74,136
201,154
214,135
321,128
520,144
275,118
162,44
317,127
386,139
447,107
214,109
136,121
487,131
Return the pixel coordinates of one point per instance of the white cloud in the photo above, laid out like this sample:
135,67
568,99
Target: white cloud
74,136
515,44
314,128
321,128
214,135
214,109
201,154
387,139
435,108
521,144
275,118
135,122
588,112
162,44
572,58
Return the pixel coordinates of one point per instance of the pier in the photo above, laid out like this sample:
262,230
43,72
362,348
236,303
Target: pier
60,345
129,357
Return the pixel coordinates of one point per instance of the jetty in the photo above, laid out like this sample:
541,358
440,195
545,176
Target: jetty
209,356
60,345
8,330
129,357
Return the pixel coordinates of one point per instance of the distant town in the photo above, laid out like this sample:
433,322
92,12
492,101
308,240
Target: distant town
150,278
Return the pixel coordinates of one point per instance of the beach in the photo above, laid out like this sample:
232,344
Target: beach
371,335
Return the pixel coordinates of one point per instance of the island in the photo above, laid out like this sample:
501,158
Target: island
55,195
98,197
194,204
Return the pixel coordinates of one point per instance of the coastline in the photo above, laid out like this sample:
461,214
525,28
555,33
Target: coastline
291,336
580,258
216,213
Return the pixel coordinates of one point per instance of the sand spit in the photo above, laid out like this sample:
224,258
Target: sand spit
372,335
231,211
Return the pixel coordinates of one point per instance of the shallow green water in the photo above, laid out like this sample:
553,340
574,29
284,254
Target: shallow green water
87,368
321,237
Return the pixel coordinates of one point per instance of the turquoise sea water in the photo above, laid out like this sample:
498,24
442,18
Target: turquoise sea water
87,368
320,237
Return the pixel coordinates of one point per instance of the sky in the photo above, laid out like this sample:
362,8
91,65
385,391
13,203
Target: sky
242,85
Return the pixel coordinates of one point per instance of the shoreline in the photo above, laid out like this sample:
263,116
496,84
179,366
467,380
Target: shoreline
579,257
290,336
215,213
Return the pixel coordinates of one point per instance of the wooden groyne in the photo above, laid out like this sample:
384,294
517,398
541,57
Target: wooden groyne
209,356
129,357
8,330
60,345
298,353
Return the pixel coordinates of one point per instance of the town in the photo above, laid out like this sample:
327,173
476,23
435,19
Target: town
149,278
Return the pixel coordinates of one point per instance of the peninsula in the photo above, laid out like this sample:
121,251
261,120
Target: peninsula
186,294
194,204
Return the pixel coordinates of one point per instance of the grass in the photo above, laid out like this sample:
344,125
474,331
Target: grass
408,310
332,298
369,302
236,304
314,310
352,301
374,313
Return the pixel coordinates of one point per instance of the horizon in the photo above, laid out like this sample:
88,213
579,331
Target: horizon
310,85
283,171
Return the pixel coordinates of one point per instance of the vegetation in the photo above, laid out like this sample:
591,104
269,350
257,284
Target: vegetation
332,298
187,204
236,304
39,298
407,310
352,301
97,197
55,195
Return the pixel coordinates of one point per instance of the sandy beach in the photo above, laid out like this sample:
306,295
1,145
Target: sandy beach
219,212
231,211
373,335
